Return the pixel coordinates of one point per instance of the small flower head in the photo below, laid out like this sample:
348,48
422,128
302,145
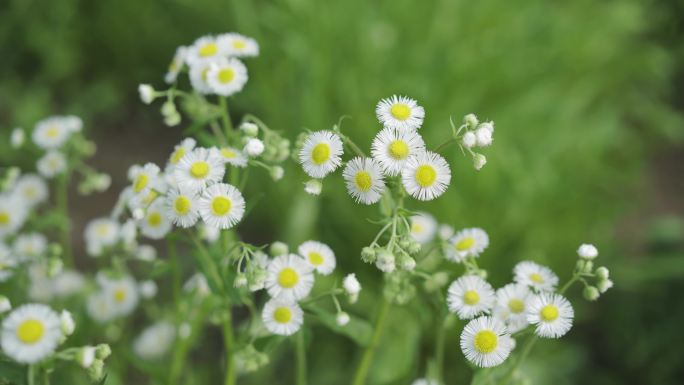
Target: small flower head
587,251
392,148
254,147
51,133
199,168
319,256
179,151
232,156
511,306
551,314
538,277
30,333
426,176
320,154
485,342
155,341
222,206
226,77
423,227
484,134
182,208
32,189
289,277
470,296
51,164
342,319
238,45
282,317
400,112
466,243
156,223
364,180
351,286
176,65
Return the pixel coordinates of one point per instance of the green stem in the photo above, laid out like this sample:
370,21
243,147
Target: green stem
228,340
175,272
525,352
367,358
445,144
439,351
572,280
301,358
63,207
31,375
225,117
207,265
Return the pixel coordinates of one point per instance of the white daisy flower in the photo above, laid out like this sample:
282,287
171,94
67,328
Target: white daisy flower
205,49
176,65
155,341
282,317
199,168
363,177
232,156
179,151
100,307
423,227
466,243
485,342
238,45
30,246
539,277
182,208
319,256
587,251
67,283
551,313
31,333
320,154
392,148
156,223
289,277
511,305
144,179
121,292
51,164
426,176
100,233
400,112
32,189
226,76
51,133
7,263
13,214
444,232
198,77
222,206
470,296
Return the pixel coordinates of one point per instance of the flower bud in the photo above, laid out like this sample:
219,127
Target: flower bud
172,120
385,261
407,263
587,251
96,370
5,304
368,254
54,266
254,147
470,121
414,247
479,161
86,356
148,289
146,93
313,186
604,284
66,323
588,267
342,318
250,129
602,272
279,248
17,138
168,108
277,173
590,293
484,136
469,139
102,351
240,280
351,285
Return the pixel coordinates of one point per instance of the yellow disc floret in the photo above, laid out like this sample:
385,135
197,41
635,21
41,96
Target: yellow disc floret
471,297
536,278
119,295
320,153
140,183
426,175
226,75
182,205
209,49
398,149
315,258
363,180
282,315
549,313
465,244
30,331
486,341
221,205
400,111
288,278
516,306
199,170
154,219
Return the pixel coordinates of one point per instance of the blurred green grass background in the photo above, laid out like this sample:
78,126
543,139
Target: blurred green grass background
588,142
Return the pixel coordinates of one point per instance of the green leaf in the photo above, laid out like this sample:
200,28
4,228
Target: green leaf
12,372
357,329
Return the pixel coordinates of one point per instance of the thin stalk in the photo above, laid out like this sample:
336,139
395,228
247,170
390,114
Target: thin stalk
445,144
572,280
207,265
301,358
31,375
439,351
369,353
63,207
225,117
228,341
525,352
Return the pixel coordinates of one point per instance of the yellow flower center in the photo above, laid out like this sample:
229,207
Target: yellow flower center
486,341
177,155
400,111
416,228
119,295
288,278
282,315
204,73
320,153
228,153
226,75
30,331
208,49
199,170
517,306
363,180
471,297
154,219
182,205
173,66
30,192
239,44
140,183
102,230
536,278
315,258
398,149
152,195
426,175
52,132
549,313
4,218
221,206
465,244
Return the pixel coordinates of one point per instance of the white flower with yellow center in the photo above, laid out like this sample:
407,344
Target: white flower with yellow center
282,317
198,77
32,189
363,177
13,214
470,296
466,243
551,314
320,154
144,179
31,333
179,151
289,277
121,292
319,256
205,49
51,133
426,176
100,307
392,148
30,246
155,340
7,263
423,227
226,76
485,342
511,306
232,156
176,65
157,222
182,208
238,45
51,164
222,206
100,233
199,168
539,277
400,112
